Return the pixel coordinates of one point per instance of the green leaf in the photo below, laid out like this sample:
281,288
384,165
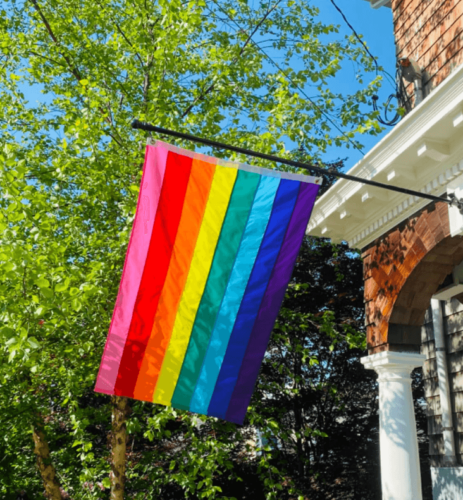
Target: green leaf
71,167
9,266
6,332
42,283
33,342
47,292
76,304
61,287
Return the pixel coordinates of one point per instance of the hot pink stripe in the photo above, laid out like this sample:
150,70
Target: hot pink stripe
148,199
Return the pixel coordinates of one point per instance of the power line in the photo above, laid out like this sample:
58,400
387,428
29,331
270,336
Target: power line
367,50
399,94
356,146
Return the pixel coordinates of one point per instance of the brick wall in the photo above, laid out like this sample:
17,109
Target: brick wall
431,33
402,270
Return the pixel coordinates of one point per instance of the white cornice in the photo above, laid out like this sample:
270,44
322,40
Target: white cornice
424,152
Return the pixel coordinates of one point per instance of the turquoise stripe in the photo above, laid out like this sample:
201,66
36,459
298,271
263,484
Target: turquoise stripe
247,253
241,202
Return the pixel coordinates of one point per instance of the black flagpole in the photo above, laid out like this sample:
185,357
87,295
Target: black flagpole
136,124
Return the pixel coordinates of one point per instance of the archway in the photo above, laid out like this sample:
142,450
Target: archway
402,270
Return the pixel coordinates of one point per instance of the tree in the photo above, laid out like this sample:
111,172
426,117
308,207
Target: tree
69,182
326,402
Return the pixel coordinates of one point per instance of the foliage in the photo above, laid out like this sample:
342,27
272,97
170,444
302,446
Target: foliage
313,386
71,166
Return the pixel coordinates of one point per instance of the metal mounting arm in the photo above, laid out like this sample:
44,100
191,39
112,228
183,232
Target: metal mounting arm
451,200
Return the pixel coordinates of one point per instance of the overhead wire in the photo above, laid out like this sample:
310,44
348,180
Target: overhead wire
356,146
365,46
451,200
329,119
399,94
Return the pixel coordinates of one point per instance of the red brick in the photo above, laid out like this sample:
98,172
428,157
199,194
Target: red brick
406,266
417,315
457,257
407,298
422,31
419,249
431,33
445,250
371,289
446,44
402,315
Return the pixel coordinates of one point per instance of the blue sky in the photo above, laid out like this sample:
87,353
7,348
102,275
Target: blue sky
377,29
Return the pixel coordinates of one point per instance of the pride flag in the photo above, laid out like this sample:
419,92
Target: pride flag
211,253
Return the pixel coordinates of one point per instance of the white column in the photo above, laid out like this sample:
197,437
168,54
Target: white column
400,464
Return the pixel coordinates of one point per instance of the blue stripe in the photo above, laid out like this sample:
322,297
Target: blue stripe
281,215
246,256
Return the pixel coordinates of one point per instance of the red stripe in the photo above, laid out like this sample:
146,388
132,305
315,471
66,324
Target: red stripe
154,274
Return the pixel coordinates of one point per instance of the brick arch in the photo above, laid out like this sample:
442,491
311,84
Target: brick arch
402,270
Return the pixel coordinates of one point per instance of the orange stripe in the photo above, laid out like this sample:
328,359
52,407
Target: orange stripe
195,203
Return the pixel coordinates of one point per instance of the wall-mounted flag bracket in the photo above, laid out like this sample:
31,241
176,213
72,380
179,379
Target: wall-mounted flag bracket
451,200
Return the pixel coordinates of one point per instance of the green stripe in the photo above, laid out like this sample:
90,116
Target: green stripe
229,241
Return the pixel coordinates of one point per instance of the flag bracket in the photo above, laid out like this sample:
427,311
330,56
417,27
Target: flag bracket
451,199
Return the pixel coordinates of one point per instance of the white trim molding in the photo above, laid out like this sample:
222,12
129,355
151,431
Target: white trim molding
424,152
400,463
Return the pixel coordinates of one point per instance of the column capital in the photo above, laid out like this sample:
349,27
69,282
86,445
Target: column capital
392,359
393,364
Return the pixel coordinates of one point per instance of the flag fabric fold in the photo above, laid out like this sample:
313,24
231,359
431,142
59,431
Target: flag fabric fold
212,250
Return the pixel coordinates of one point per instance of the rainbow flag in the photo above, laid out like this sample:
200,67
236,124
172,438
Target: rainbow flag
212,250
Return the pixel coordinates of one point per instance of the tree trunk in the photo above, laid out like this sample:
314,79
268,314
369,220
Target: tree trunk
120,411
47,471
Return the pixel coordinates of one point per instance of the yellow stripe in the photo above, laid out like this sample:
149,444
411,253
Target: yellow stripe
217,205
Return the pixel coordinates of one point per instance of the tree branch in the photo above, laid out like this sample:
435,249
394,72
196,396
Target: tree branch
246,43
54,61
137,55
74,70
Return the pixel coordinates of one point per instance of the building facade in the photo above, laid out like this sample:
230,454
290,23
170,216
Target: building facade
413,250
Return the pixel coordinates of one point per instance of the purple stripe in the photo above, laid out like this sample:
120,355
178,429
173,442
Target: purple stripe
271,304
